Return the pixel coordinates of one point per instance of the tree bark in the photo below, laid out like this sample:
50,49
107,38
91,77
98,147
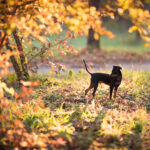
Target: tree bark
14,62
138,37
2,42
92,43
22,57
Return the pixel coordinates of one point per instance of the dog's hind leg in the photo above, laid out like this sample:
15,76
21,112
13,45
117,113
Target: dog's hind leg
89,88
95,88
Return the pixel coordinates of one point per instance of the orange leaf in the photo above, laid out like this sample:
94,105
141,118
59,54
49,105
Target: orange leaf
96,36
23,144
36,108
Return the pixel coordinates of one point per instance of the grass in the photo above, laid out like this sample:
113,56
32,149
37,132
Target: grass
123,41
69,120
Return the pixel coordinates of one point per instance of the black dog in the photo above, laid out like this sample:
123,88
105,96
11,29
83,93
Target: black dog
113,80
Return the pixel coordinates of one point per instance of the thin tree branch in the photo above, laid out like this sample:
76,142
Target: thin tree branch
2,43
26,3
39,53
18,6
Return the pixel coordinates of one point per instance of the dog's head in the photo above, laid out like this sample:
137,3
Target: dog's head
116,69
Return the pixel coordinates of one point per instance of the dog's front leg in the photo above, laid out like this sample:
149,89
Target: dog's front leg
111,90
115,91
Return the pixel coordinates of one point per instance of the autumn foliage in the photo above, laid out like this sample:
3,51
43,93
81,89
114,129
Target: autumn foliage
14,133
37,20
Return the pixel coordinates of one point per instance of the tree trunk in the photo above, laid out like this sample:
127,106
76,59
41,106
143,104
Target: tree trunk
14,62
92,43
22,57
138,37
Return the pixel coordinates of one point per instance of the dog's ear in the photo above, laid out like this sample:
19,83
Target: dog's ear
120,67
117,67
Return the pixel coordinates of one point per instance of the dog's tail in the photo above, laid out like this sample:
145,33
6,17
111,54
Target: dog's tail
86,67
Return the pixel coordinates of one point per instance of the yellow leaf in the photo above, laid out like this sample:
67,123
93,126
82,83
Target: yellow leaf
132,29
9,90
51,72
96,36
11,2
146,38
23,144
26,60
1,92
147,45
120,10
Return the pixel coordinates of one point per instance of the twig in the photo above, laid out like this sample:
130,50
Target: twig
30,60
3,40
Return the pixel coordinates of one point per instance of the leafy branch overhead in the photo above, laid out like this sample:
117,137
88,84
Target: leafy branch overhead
42,17
139,16
38,19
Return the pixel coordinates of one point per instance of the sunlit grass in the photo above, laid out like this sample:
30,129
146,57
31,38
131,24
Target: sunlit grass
79,120
122,122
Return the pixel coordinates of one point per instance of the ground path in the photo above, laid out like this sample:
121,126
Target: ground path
43,68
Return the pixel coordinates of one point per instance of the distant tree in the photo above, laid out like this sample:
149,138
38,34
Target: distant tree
93,36
138,14
92,41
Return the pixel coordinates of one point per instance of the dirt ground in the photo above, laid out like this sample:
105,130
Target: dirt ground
99,60
96,61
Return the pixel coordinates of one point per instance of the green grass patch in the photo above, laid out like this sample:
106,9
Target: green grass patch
83,122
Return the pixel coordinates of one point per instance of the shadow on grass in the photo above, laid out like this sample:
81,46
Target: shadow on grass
87,133
88,137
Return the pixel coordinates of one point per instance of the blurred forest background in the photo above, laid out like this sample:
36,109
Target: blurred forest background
112,30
